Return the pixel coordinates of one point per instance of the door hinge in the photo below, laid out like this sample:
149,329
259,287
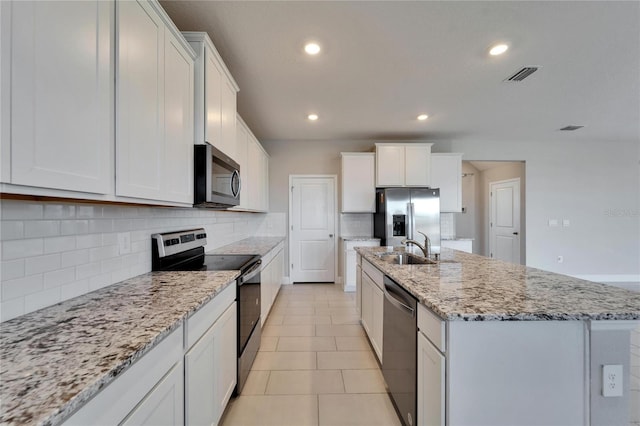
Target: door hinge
292,227
491,194
491,254
292,266
292,189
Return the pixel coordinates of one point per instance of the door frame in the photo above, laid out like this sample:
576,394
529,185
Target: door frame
334,182
516,179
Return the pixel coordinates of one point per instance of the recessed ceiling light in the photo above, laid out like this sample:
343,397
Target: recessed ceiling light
312,117
312,48
423,117
498,49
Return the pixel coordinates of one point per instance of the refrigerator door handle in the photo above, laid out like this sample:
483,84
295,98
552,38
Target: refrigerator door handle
410,220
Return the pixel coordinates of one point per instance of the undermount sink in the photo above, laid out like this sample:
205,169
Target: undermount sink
407,259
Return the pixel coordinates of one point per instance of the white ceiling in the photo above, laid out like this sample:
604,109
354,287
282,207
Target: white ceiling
385,62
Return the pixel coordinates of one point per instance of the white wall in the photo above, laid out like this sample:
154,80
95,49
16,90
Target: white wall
55,251
596,185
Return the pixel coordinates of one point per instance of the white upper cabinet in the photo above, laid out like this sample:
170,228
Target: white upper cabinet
215,96
242,139
57,95
358,182
400,164
178,122
254,170
154,106
446,174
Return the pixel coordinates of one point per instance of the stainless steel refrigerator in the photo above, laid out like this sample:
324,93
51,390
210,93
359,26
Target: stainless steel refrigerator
401,212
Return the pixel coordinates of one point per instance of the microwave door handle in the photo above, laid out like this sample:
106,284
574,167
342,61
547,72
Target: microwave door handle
235,181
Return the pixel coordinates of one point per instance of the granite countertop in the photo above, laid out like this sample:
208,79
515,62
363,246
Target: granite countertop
468,287
54,360
360,239
254,245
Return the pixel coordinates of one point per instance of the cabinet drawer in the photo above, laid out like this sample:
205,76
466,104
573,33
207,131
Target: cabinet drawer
433,327
374,273
200,322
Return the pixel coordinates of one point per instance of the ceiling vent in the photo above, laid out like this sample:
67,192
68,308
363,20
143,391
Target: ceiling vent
521,74
571,128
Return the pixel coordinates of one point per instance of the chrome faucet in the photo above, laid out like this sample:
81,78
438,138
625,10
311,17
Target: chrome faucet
426,248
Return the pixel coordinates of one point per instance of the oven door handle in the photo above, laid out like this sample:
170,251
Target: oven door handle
255,270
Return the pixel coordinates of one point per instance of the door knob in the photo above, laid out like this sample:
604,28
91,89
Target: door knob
515,233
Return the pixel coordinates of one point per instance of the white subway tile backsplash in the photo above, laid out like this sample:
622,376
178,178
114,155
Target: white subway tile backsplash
75,257
59,244
21,211
74,289
11,230
87,270
111,265
59,211
38,264
21,286
101,253
12,308
100,281
74,227
88,241
12,269
19,249
100,225
41,299
77,248
84,211
59,277
41,228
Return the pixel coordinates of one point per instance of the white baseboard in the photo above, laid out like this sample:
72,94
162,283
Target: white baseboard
286,280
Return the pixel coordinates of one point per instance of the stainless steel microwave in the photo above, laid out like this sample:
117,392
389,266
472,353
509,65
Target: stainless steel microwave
217,178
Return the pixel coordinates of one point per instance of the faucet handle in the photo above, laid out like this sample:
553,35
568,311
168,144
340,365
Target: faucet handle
426,239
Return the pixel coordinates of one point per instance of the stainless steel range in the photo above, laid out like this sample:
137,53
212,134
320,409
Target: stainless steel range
184,251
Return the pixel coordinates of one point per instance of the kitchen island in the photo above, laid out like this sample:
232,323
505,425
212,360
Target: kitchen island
507,344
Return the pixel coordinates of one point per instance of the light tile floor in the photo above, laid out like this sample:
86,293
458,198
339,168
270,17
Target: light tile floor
315,366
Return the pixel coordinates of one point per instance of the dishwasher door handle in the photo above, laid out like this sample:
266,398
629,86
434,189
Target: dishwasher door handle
395,302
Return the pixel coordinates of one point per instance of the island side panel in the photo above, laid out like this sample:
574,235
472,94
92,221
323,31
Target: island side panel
609,347
500,373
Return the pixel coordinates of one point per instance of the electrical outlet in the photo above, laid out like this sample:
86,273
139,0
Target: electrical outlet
566,222
553,222
124,242
560,259
611,380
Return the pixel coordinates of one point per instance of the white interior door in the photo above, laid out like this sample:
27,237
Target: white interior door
312,207
504,228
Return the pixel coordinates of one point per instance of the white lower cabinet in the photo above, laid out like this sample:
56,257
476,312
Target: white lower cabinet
210,371
372,302
188,378
270,280
349,256
431,383
150,389
164,405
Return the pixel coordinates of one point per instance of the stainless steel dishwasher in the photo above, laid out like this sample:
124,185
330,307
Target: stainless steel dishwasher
399,357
